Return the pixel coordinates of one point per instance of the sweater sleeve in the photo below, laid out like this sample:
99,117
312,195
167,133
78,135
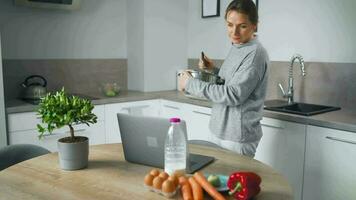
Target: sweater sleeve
235,91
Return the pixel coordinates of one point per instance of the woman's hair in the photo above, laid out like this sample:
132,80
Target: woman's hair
246,7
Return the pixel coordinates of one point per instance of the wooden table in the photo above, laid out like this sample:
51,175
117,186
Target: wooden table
109,176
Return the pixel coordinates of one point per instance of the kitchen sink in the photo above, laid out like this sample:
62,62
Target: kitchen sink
305,109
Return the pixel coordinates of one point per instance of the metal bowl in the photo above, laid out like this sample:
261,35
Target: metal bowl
206,76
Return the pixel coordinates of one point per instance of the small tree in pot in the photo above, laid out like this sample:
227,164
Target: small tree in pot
58,110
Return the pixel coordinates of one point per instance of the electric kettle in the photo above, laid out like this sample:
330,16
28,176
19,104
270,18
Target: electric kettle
34,88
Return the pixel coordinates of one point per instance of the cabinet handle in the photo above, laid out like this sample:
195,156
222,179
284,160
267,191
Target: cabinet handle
173,107
50,135
77,130
340,140
132,107
271,126
201,113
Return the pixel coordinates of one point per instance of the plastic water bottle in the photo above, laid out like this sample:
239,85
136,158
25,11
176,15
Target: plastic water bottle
175,154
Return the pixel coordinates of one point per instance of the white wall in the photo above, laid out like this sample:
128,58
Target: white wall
320,30
208,34
165,45
96,30
135,47
157,43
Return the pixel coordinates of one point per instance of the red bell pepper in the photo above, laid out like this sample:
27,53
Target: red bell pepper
244,185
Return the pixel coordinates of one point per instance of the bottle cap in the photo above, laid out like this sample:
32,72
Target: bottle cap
174,119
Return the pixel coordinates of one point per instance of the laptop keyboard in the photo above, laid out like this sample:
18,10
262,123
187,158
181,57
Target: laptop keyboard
192,162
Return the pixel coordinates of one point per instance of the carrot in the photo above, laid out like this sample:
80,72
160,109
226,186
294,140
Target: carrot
196,188
199,177
182,180
187,192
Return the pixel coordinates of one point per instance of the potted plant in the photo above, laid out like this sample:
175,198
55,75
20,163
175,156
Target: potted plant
58,110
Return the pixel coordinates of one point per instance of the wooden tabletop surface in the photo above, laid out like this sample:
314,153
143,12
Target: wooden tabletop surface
109,176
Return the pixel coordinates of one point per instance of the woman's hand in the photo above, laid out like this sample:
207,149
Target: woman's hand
183,79
206,64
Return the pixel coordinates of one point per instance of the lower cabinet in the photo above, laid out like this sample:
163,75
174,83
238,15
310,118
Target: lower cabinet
95,133
198,122
330,162
196,117
142,108
49,141
169,109
22,129
282,147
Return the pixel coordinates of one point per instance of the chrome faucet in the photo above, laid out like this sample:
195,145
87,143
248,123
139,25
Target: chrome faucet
290,92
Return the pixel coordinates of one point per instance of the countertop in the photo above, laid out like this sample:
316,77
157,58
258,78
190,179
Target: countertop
343,119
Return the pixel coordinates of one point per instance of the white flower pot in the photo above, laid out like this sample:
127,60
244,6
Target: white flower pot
73,156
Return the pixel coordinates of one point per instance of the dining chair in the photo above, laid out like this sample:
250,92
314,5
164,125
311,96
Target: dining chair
13,154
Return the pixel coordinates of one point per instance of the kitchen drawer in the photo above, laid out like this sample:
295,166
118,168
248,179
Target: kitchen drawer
95,133
29,120
171,109
141,108
23,121
31,137
198,119
99,111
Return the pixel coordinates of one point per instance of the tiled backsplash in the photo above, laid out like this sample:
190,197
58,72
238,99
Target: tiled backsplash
83,76
325,83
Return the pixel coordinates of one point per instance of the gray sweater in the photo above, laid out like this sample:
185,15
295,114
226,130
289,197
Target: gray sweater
238,105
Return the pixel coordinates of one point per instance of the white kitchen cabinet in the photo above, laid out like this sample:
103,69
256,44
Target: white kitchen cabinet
282,147
169,109
29,120
198,118
49,141
22,121
23,129
330,162
95,132
142,108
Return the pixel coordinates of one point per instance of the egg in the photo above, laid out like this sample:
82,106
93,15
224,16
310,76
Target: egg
154,172
157,182
163,175
168,186
174,179
148,180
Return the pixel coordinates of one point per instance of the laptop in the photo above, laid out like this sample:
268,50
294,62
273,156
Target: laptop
143,141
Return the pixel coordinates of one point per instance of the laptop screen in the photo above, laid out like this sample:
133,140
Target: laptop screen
143,141
143,138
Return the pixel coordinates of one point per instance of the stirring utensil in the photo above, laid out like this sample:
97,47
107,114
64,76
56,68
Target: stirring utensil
203,59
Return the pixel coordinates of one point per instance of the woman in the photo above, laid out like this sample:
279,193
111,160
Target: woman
238,104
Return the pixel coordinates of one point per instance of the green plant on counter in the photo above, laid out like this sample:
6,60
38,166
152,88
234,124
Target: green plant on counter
59,109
